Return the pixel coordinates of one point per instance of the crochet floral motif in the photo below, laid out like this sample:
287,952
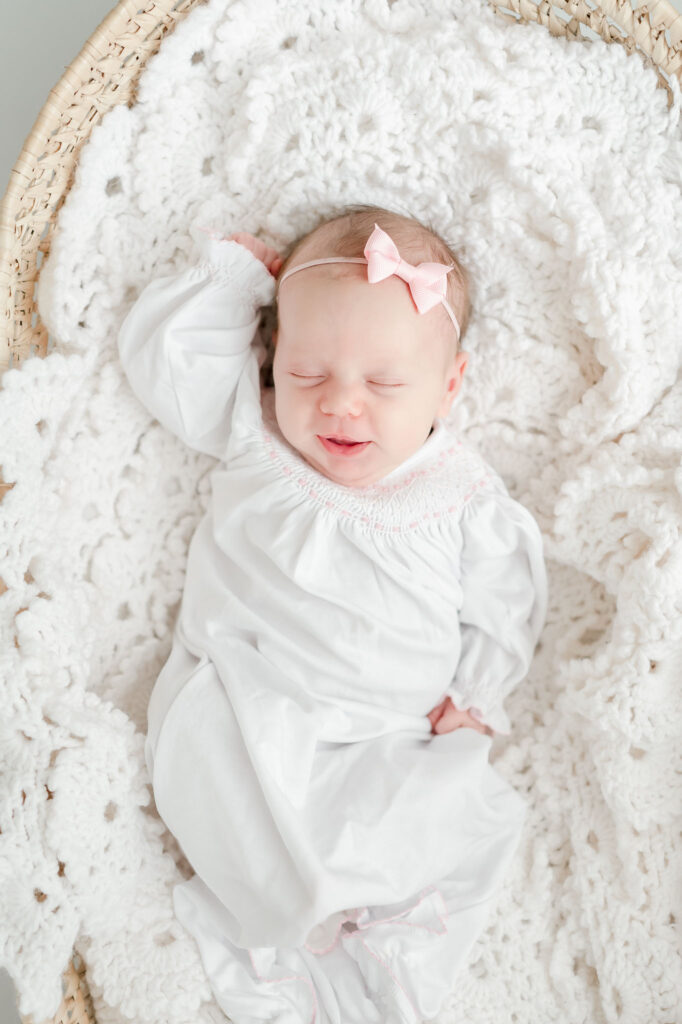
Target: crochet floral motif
570,394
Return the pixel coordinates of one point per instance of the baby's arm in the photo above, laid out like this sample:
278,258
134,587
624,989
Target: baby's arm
186,344
503,608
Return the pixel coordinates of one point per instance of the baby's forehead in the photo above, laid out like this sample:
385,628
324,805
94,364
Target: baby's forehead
321,292
339,317
320,277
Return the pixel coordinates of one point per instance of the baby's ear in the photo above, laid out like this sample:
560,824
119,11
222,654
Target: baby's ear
454,382
456,372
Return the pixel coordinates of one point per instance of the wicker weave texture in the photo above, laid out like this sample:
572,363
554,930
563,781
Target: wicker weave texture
104,74
76,1005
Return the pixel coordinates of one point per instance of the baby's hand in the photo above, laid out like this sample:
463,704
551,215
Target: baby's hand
446,717
269,257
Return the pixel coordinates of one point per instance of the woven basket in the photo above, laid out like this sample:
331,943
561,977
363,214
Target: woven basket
104,74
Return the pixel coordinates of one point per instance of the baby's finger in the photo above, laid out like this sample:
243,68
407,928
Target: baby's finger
270,255
473,723
444,726
434,716
436,713
450,719
249,242
259,249
274,262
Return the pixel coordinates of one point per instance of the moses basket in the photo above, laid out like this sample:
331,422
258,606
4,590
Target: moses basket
104,74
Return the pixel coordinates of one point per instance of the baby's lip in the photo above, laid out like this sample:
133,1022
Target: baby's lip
341,444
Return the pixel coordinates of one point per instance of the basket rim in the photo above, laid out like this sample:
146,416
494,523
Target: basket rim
657,17
21,245
73,75
644,29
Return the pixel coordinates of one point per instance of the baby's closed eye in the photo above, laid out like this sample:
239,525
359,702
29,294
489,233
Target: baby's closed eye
307,378
318,378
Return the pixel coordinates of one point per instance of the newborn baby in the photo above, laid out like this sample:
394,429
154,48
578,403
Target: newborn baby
409,373
361,587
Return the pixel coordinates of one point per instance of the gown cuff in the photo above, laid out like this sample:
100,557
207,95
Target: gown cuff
228,261
495,717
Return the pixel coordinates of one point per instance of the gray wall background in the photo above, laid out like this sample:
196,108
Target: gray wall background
38,40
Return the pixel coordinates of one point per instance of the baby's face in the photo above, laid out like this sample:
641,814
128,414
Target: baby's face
360,375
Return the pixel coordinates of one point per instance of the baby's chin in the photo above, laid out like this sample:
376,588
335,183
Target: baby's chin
349,475
363,470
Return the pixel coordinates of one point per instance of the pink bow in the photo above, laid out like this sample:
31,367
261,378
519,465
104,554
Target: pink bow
426,281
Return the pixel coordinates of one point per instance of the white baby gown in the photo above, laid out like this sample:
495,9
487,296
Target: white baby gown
346,859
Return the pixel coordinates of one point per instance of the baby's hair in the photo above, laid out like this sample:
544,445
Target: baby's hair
346,233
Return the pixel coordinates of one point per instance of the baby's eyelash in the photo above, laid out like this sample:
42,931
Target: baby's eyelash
312,377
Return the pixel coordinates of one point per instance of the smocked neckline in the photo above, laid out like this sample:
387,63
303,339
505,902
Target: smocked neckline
426,451
432,485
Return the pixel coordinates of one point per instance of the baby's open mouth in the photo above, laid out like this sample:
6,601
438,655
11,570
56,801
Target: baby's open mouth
338,444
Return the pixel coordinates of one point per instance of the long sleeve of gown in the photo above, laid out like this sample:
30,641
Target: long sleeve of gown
504,604
186,344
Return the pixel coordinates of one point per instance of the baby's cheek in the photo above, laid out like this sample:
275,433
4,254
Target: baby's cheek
283,409
410,425
295,414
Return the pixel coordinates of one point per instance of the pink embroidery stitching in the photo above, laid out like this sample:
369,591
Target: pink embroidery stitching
388,970
289,977
321,952
378,491
411,924
442,917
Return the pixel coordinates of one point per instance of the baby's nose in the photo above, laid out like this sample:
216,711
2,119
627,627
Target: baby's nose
339,399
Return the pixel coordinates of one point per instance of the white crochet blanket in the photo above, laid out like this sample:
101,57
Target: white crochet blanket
555,168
